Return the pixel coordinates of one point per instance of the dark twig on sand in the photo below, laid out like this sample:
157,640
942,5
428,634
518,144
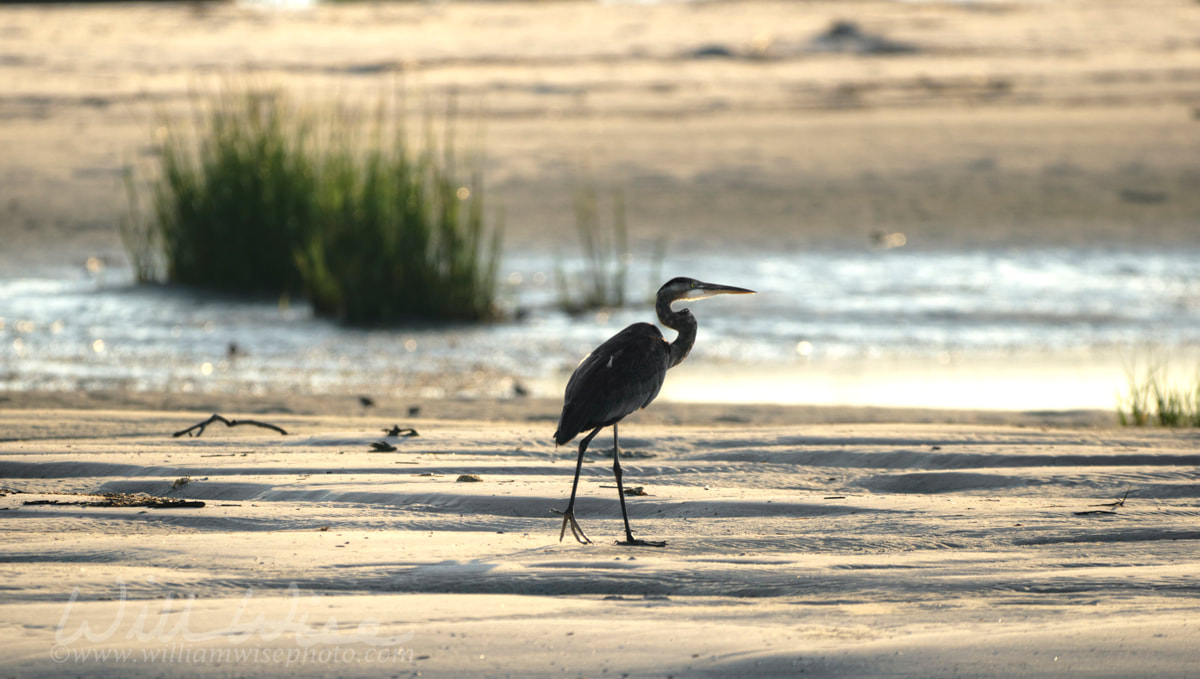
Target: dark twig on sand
382,447
1114,503
228,423
397,430
636,491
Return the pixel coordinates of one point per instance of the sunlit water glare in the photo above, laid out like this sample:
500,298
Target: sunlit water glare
1010,329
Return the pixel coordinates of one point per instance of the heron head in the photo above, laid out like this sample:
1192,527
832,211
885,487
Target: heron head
683,288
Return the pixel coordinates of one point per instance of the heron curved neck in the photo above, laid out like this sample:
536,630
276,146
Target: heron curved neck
682,322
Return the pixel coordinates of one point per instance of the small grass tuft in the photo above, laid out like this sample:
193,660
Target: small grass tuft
1153,400
602,283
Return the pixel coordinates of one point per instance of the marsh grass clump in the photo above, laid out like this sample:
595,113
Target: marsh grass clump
267,197
1153,400
402,237
232,200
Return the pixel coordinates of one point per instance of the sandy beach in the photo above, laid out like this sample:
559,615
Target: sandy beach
865,550
855,541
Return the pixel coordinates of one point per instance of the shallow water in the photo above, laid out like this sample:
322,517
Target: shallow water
821,317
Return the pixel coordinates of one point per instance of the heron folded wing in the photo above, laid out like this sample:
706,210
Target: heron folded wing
620,376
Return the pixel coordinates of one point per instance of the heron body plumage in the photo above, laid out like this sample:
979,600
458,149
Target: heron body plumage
623,375
628,371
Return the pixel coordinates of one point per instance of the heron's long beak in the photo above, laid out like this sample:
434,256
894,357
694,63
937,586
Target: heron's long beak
727,290
704,290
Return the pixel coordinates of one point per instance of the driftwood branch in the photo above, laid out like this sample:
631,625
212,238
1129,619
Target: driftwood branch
123,500
228,423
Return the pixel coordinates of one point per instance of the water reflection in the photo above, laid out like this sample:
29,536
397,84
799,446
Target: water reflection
822,311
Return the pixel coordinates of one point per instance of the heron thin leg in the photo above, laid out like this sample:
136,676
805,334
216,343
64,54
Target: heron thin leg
569,515
630,541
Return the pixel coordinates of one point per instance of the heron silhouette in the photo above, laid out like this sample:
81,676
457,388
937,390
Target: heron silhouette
623,375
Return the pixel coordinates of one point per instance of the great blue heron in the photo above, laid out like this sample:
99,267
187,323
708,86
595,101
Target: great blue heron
625,374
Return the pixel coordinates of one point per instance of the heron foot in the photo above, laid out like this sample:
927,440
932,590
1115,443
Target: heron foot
569,519
635,542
